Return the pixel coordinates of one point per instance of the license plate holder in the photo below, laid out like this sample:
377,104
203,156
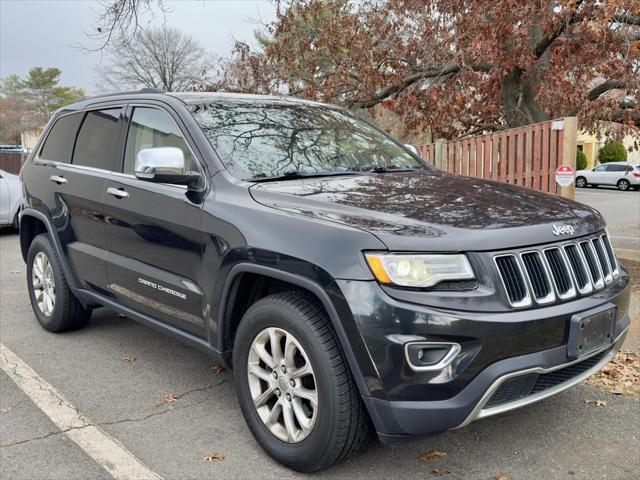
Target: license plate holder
591,330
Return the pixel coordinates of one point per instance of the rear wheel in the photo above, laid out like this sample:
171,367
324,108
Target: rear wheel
295,388
623,184
581,182
53,303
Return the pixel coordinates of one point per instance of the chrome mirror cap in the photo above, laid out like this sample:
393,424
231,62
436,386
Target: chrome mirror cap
159,161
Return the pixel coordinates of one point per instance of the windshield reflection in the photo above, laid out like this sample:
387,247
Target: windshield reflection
289,140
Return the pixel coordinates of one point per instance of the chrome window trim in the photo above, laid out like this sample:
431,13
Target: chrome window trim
600,283
607,278
480,412
551,297
589,287
526,301
453,352
572,290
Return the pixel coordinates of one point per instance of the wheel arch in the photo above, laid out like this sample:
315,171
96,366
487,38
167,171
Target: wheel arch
33,223
229,314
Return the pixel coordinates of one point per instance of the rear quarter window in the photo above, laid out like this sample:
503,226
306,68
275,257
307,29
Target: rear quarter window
59,142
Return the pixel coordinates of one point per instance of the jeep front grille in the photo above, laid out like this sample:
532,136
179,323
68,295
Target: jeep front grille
560,271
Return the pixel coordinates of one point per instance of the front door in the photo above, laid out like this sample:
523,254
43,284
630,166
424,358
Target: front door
154,261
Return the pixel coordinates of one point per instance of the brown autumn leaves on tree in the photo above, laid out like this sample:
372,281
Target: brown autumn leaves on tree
455,67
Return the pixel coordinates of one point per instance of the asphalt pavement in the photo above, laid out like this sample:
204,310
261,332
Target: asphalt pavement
162,402
621,210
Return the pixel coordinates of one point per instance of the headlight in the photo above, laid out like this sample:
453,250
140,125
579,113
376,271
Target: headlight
418,270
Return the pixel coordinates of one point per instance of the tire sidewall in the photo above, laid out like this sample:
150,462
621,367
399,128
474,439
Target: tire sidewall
623,185
42,244
308,451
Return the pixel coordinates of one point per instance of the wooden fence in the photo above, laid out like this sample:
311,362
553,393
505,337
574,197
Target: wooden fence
526,156
11,162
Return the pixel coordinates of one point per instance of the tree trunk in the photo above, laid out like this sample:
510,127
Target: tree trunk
518,101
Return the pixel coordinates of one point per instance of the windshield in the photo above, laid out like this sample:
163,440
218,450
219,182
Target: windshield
273,140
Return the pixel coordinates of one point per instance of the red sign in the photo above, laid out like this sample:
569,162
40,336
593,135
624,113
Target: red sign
564,175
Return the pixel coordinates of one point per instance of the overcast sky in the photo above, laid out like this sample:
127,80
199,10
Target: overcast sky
44,32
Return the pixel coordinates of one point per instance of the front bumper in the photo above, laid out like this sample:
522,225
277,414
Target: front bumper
507,360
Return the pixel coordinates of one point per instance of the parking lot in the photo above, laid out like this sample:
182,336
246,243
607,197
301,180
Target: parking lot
621,210
177,415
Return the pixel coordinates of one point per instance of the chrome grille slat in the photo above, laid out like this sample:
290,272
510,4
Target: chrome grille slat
602,259
513,280
560,275
595,271
557,272
613,261
579,268
538,276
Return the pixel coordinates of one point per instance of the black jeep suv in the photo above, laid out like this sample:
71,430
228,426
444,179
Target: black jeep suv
348,284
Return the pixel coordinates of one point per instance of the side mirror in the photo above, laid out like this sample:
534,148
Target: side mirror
164,165
413,149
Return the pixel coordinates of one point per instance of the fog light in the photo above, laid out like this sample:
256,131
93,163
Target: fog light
430,356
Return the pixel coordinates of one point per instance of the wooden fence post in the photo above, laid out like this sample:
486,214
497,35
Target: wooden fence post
439,160
568,151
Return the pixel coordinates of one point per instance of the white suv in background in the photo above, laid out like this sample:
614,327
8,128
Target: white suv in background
623,175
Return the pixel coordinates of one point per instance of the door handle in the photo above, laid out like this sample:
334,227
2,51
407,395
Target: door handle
116,192
58,179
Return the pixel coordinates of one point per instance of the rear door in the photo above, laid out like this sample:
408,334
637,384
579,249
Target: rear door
68,175
152,232
614,173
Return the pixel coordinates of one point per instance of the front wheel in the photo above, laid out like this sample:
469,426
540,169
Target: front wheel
623,185
581,182
295,389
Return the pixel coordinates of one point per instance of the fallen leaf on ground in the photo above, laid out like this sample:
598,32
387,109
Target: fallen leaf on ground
439,472
621,376
213,457
598,403
6,409
129,359
431,456
169,398
502,476
217,369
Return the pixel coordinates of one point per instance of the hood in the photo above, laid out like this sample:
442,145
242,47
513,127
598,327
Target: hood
432,210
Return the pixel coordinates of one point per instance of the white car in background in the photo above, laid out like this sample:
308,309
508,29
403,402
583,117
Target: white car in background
623,175
10,193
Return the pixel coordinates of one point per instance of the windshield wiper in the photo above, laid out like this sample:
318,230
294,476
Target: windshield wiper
296,174
390,168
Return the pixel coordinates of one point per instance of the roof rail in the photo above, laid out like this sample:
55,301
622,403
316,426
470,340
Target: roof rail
125,92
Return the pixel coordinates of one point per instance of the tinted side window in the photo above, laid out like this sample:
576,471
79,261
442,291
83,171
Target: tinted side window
97,144
616,168
150,128
59,142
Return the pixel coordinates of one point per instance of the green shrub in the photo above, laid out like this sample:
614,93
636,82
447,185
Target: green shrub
581,160
612,152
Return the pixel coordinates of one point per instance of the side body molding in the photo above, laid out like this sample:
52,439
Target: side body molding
302,282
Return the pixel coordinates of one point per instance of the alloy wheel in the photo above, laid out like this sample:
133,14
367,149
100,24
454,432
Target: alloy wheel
282,385
43,283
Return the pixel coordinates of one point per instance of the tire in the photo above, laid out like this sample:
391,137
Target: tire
581,182
623,185
341,425
66,312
